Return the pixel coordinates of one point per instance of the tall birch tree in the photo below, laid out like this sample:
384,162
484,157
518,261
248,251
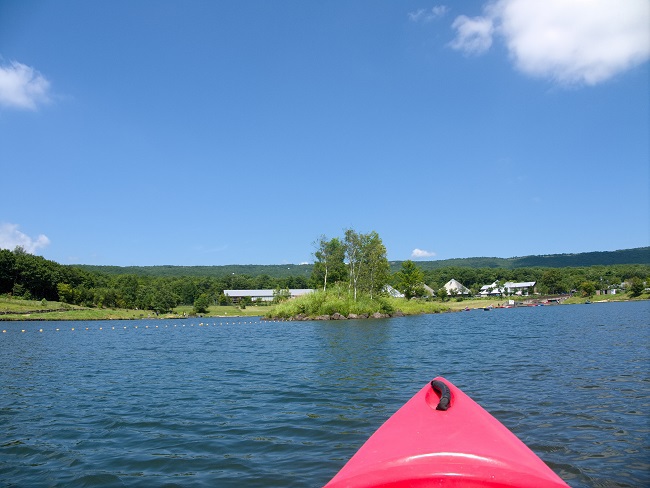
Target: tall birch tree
367,264
376,270
329,265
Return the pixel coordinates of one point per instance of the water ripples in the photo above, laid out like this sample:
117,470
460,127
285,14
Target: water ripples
286,404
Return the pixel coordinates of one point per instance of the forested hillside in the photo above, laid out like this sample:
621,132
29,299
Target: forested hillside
23,275
161,288
639,255
273,270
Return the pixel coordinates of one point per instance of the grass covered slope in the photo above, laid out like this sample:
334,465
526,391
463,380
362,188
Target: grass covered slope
338,300
26,310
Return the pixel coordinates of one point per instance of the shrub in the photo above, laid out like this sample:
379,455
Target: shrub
337,299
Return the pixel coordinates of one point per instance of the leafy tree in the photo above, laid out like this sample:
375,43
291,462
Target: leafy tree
353,243
367,264
330,262
105,297
84,296
264,282
295,282
186,290
637,286
441,293
239,282
37,275
281,295
7,270
127,289
19,291
201,303
244,302
376,270
410,279
551,281
163,300
588,288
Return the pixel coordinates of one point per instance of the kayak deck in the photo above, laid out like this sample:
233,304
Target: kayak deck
424,444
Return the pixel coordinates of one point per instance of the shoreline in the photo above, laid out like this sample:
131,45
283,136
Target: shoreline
89,314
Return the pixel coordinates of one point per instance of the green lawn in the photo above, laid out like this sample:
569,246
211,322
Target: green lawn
18,309
225,311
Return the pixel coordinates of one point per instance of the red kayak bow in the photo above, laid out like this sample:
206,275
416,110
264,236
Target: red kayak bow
443,438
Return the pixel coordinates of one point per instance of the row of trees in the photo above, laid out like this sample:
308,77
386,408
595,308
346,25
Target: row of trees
357,259
28,276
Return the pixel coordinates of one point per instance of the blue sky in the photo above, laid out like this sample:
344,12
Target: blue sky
209,133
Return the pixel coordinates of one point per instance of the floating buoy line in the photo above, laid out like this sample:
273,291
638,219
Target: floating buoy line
128,327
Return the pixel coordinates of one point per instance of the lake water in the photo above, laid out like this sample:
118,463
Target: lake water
239,402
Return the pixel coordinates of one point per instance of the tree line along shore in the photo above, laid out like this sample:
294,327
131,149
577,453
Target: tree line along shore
350,275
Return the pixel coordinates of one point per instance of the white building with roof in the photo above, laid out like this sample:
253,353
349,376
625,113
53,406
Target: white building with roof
393,292
523,288
491,290
430,291
454,287
263,295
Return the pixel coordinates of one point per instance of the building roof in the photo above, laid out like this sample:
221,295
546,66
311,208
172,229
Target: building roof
393,292
486,287
295,292
524,284
455,286
492,289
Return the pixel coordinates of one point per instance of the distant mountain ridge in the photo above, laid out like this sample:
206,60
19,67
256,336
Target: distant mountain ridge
640,255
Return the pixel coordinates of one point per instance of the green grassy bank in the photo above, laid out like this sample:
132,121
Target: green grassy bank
19,309
328,303
310,305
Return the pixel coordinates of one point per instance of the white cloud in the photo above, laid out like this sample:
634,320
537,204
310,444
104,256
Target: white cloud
11,237
473,36
567,41
427,15
22,87
420,253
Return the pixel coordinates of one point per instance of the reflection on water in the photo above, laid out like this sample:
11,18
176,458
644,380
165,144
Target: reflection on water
144,403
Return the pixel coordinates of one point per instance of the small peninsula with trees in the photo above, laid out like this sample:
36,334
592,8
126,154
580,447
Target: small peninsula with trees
350,277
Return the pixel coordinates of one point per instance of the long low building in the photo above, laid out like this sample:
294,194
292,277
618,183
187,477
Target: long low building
509,288
263,295
525,288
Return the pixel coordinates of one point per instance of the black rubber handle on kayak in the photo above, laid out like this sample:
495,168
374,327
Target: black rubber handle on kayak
445,394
